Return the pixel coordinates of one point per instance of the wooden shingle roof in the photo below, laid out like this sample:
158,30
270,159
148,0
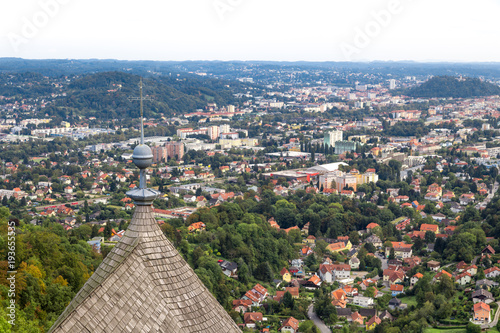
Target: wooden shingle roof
144,285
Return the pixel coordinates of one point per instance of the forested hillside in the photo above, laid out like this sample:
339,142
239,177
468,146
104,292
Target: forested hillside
106,95
448,86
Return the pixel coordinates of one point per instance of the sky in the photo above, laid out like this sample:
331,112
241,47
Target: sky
291,30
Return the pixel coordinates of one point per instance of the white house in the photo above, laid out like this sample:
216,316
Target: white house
463,279
414,279
492,272
189,198
329,273
342,271
291,325
362,301
354,263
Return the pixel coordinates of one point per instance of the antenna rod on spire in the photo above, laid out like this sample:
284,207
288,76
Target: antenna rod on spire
142,113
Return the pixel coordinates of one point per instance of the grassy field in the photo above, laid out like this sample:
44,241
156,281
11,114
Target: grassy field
410,300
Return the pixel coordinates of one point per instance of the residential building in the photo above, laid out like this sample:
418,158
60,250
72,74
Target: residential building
372,323
285,275
357,318
429,227
242,305
492,272
159,154
433,265
414,279
396,289
331,137
401,250
330,273
339,298
438,276
354,263
339,246
482,295
342,147
228,268
213,132
362,301
290,325
485,283
374,240
175,150
481,313
395,303
252,318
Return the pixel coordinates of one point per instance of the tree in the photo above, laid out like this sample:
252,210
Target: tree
362,265
392,254
95,231
354,237
480,274
264,272
446,286
308,327
370,292
243,272
314,225
123,225
325,309
370,247
430,237
288,301
320,248
107,230
472,328
286,217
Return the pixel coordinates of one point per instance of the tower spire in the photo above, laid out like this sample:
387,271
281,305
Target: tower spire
143,158
142,112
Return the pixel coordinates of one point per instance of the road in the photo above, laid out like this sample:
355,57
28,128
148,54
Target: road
318,322
383,260
488,197
495,320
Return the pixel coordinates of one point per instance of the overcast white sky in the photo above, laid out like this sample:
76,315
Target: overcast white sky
314,30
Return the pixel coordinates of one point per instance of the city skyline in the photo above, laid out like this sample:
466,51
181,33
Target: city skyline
392,30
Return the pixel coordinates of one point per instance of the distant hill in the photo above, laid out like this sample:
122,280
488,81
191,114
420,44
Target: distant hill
232,69
448,86
105,95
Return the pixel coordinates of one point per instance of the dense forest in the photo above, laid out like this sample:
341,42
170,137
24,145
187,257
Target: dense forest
448,86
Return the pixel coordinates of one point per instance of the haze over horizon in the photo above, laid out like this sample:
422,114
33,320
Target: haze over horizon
376,30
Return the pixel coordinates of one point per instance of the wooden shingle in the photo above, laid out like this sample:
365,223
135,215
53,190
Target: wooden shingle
144,285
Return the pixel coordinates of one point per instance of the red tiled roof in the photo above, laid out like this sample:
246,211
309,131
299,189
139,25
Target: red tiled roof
291,322
252,317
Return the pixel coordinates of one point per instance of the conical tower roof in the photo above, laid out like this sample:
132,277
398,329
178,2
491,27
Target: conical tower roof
144,284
